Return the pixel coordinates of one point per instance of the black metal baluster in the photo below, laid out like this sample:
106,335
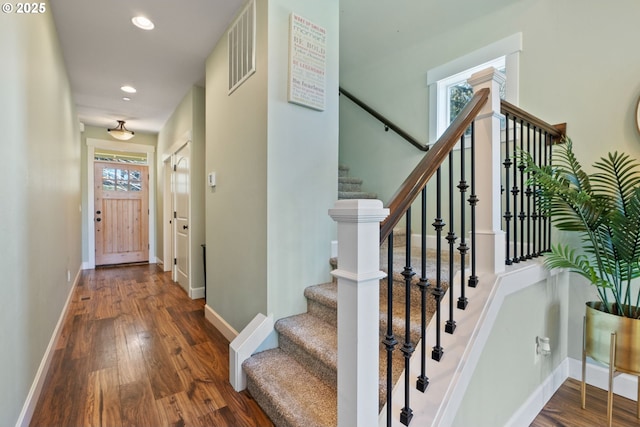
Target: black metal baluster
390,341
507,212
515,190
462,248
423,284
473,201
406,413
438,224
534,214
528,193
535,197
548,161
521,215
450,326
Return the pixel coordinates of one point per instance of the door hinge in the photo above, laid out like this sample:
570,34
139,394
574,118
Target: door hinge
175,261
175,214
175,168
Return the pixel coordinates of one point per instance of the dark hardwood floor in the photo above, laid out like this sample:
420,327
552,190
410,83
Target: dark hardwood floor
136,351
564,409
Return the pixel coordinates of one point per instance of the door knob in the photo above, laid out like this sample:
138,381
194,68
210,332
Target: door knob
184,227
98,219
98,212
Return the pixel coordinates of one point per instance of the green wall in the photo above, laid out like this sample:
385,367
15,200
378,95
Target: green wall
40,214
268,230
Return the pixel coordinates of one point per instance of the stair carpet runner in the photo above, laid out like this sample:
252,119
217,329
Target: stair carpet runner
295,384
351,187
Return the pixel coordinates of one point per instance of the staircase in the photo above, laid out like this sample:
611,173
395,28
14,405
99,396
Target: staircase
351,187
295,384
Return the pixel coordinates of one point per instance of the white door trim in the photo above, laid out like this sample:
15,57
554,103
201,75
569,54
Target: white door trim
126,147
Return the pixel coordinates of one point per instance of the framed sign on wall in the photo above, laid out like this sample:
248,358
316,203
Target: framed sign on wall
307,63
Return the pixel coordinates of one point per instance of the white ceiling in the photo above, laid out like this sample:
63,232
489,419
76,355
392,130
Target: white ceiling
104,51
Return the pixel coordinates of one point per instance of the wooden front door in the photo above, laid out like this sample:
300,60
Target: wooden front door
121,213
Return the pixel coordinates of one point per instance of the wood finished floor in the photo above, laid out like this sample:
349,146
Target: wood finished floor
136,351
564,409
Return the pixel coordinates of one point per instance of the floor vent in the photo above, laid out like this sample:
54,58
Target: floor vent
242,45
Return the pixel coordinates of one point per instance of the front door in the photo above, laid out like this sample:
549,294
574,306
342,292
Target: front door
121,213
181,216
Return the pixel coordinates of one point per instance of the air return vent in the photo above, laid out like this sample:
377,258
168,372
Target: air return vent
242,42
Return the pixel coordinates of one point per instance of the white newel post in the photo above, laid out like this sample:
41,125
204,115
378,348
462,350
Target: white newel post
490,239
358,275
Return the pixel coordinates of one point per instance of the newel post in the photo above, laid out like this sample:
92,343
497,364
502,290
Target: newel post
490,239
358,275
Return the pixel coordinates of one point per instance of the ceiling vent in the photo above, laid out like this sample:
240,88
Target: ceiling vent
242,47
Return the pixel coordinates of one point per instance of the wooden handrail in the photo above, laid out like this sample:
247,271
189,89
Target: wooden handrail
415,182
388,124
556,131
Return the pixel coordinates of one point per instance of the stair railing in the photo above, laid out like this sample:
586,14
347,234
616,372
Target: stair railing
388,124
447,180
400,206
528,232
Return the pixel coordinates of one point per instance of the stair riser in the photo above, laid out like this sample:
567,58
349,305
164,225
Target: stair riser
349,187
323,312
326,373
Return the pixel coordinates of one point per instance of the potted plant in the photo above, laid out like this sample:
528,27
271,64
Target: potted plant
603,208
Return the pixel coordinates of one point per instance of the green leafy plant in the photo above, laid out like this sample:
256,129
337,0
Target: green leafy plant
604,209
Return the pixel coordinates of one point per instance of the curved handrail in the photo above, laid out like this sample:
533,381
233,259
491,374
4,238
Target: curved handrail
387,123
415,182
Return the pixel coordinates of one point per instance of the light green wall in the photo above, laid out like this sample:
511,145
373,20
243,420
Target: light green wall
40,213
188,116
508,371
571,52
268,231
236,209
302,173
94,132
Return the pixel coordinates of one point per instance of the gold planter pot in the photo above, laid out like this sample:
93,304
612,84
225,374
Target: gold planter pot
613,340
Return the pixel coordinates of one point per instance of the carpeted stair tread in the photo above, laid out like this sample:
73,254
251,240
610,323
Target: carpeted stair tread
313,342
289,393
349,180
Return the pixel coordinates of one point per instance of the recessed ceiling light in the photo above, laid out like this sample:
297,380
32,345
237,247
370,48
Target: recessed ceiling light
143,23
126,98
128,89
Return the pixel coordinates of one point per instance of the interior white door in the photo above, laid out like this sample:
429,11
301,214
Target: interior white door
181,216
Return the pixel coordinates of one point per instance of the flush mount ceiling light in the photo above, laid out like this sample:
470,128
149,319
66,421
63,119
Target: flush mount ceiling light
120,132
143,23
128,89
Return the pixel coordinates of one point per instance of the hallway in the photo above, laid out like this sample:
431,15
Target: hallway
136,351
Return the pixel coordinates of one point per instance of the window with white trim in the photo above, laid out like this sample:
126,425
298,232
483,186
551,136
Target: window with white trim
448,88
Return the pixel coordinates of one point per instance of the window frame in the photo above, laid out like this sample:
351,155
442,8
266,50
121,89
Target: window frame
440,78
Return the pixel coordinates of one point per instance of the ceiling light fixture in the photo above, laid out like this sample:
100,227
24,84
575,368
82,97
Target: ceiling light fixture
128,89
120,132
143,23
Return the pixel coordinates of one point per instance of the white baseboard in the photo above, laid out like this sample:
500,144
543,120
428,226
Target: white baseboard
197,293
244,345
534,404
41,374
219,323
597,375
